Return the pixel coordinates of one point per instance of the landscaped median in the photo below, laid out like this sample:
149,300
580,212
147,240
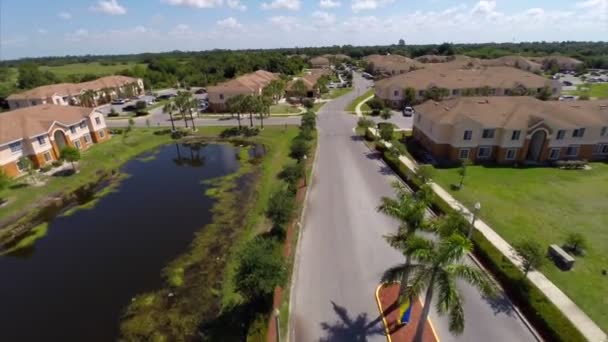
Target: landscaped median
550,322
364,108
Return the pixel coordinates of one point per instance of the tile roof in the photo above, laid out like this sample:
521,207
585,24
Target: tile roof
515,112
64,89
310,79
319,60
446,76
32,121
247,82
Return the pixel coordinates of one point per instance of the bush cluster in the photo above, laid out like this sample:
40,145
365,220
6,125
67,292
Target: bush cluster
236,131
571,164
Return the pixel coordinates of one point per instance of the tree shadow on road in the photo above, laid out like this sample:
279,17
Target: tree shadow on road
500,304
348,328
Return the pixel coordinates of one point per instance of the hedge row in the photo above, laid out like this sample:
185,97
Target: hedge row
544,315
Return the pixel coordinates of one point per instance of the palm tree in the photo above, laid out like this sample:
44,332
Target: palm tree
265,103
235,105
437,268
169,108
87,99
191,103
182,102
410,211
248,106
106,94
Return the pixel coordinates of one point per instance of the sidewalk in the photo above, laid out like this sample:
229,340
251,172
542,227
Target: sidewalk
579,318
358,108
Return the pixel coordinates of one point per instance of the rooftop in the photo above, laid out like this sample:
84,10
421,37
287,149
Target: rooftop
246,82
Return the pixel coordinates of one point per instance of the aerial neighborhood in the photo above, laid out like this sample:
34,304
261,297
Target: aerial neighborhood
397,192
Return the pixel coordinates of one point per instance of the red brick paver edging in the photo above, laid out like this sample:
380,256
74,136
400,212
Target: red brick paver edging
386,297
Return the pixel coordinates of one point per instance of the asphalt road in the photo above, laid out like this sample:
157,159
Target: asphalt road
342,254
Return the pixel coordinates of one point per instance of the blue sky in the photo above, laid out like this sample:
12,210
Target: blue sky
60,27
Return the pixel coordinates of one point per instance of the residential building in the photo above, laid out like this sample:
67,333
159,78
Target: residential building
448,82
40,132
390,65
310,80
519,62
75,94
511,130
563,62
248,84
320,62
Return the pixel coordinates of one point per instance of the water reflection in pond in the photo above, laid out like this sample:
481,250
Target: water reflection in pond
75,282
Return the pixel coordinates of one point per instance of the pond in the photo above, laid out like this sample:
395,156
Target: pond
74,283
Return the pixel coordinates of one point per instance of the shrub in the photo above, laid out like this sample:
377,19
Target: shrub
386,132
141,113
308,102
250,131
584,97
280,207
305,133
46,168
299,148
260,269
386,114
230,132
292,174
376,105
57,163
575,243
309,120
113,113
530,253
365,123
140,105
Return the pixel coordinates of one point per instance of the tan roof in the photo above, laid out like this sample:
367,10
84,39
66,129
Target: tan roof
513,61
247,82
393,62
560,59
515,112
32,121
319,60
445,77
310,79
64,89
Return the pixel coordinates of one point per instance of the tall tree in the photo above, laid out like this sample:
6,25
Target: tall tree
235,106
299,88
87,99
437,268
530,253
169,108
70,154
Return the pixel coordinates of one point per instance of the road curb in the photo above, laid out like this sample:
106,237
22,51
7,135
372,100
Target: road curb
296,258
384,322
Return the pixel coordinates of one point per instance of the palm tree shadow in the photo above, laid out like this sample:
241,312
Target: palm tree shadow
500,304
348,328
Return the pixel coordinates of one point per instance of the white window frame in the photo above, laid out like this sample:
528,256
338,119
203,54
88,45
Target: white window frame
78,144
87,138
50,156
577,149
16,146
601,148
41,140
514,151
561,134
83,125
489,130
101,133
558,150
514,133
480,148
73,129
578,133
98,120
464,136
468,152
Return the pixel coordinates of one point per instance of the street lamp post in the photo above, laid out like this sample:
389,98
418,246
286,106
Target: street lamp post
305,180
476,209
277,313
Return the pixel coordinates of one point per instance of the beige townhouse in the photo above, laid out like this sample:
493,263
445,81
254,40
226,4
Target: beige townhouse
320,62
519,62
248,84
511,130
103,90
564,63
309,79
40,132
450,82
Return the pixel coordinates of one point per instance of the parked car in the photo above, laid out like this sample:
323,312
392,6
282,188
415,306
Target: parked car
129,108
408,111
567,98
201,91
119,102
567,83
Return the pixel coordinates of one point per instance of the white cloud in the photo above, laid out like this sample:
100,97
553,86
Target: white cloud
111,7
292,5
600,4
140,29
229,23
484,8
324,18
236,4
195,3
42,31
285,23
364,5
65,15
77,36
361,24
329,4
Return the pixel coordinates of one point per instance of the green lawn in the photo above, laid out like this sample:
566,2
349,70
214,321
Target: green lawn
594,90
353,105
105,156
284,109
544,204
335,93
87,68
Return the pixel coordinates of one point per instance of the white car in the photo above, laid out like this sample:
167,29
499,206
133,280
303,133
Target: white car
408,111
567,98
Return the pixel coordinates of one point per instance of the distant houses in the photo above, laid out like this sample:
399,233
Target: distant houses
511,130
320,62
248,84
88,94
40,132
390,65
309,80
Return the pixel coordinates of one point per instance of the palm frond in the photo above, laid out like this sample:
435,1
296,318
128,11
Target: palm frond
420,248
453,248
472,276
419,280
447,292
456,319
394,273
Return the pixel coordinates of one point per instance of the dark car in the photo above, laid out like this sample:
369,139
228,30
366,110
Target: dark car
201,91
129,108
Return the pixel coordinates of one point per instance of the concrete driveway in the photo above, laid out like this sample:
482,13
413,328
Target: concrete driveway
342,254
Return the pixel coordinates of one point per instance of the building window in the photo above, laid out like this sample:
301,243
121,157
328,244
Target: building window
468,135
73,129
83,125
33,103
492,91
22,164
554,154
221,96
421,93
396,93
511,153
101,133
47,156
601,149
77,144
87,138
98,120
572,151
561,134
41,140
16,146
463,153
604,131
455,92
578,133
515,135
484,152
488,134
